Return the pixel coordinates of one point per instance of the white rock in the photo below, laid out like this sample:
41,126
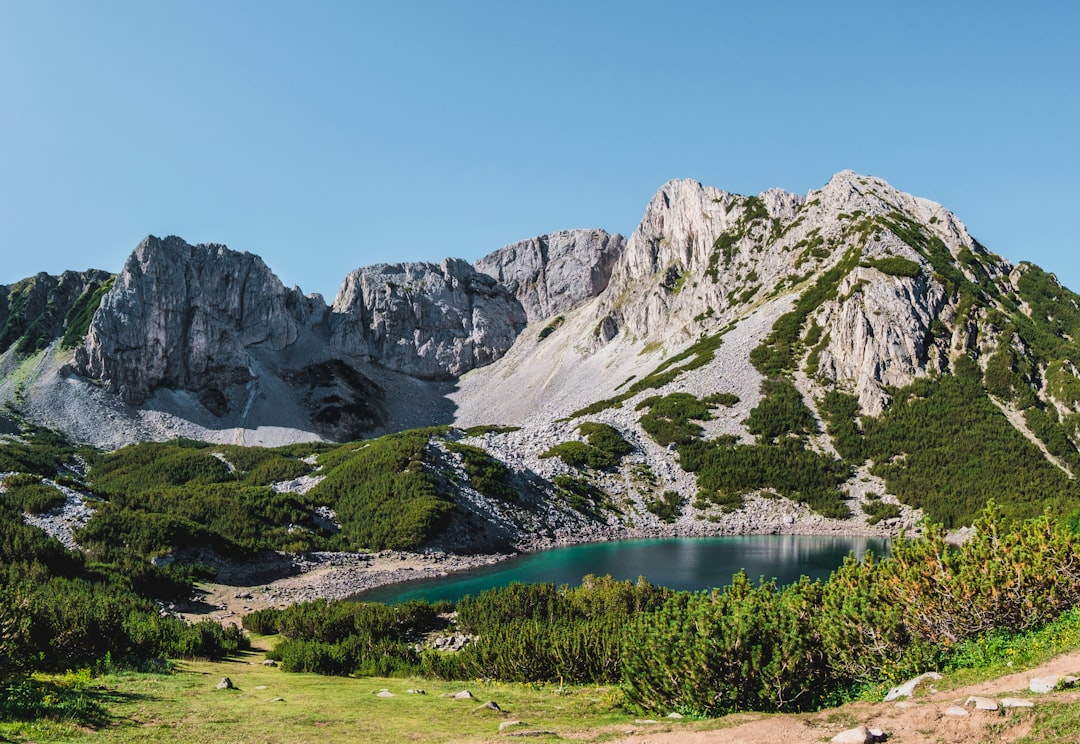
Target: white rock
1048,684
956,711
907,689
1011,702
857,735
981,703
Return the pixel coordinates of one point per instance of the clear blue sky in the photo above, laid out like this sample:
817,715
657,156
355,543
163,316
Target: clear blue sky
325,136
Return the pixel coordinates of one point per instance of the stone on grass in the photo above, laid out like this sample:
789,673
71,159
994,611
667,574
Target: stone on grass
463,695
489,705
225,684
511,724
1011,702
270,663
1048,684
384,693
981,703
415,692
908,688
674,714
956,711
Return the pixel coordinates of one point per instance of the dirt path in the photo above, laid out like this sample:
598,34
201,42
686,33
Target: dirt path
923,722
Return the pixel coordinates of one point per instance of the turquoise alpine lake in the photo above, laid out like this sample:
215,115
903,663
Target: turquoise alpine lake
678,563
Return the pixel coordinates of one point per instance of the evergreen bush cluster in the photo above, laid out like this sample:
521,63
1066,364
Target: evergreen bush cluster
163,496
780,462
603,449
670,419
944,447
384,492
60,610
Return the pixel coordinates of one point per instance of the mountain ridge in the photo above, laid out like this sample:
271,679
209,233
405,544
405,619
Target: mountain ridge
730,341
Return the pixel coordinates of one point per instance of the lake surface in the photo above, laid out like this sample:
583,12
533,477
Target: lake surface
679,563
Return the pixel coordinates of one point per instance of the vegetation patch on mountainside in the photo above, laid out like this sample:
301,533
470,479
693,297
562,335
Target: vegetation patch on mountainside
779,462
942,446
603,449
670,419
779,351
383,494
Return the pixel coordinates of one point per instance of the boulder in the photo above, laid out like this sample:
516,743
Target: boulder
907,689
857,735
981,703
1049,684
225,684
1012,702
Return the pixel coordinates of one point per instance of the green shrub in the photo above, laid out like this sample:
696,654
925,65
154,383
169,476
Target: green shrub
551,327
667,507
746,648
603,451
488,476
879,510
583,495
670,418
841,412
781,412
33,498
897,266
264,622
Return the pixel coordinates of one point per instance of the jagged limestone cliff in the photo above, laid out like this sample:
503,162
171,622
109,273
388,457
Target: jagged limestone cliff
424,320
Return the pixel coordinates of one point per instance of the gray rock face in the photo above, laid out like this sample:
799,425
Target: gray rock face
184,316
551,274
425,320
880,335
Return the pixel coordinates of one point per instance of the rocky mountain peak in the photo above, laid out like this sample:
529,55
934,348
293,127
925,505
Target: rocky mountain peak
183,316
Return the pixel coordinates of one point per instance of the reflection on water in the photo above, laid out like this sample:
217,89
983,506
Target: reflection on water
679,563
